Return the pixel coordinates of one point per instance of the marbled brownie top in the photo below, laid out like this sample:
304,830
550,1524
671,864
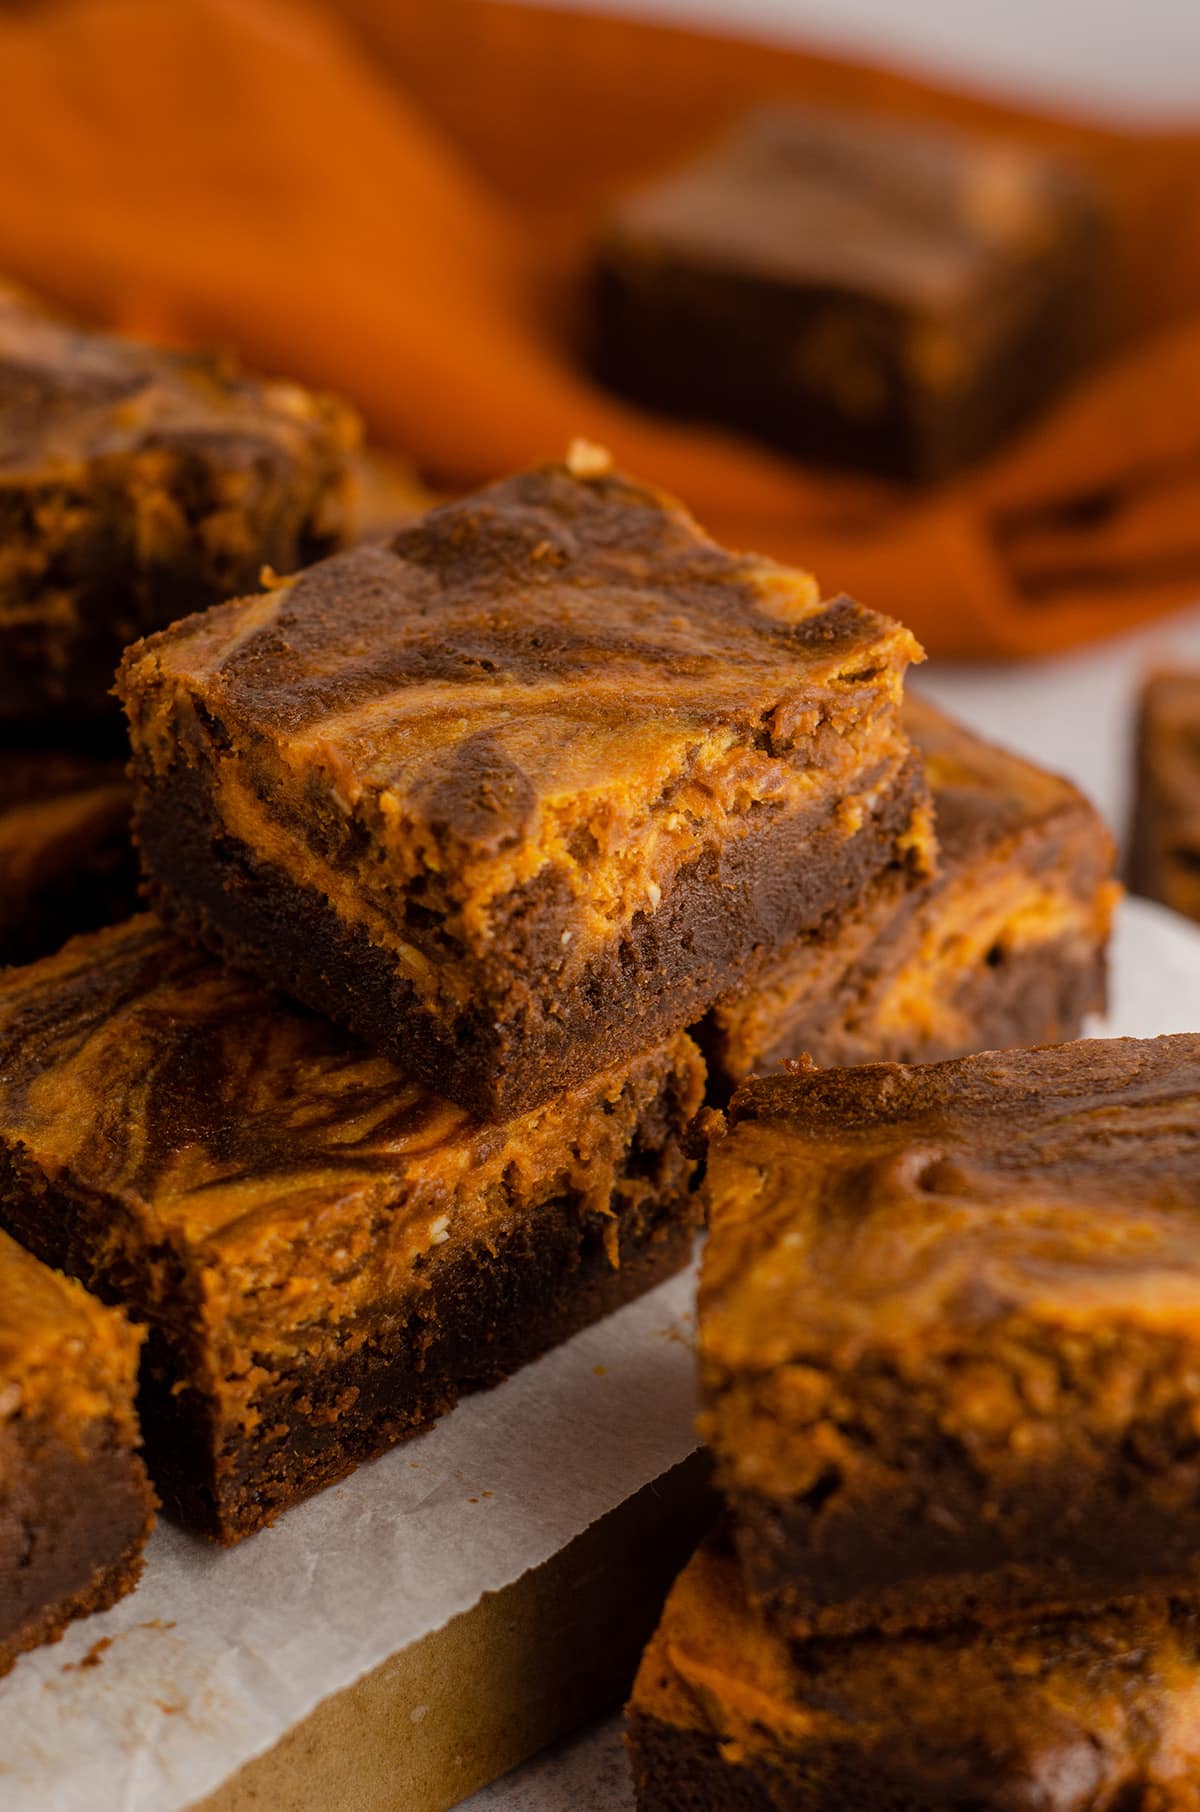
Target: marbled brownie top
561,673
211,1126
907,1212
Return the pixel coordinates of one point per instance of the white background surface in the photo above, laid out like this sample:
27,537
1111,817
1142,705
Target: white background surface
1124,55
1073,714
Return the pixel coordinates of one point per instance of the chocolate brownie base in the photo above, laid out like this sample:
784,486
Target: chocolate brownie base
67,861
490,1314
73,1523
686,1771
325,1254
947,1332
207,886
1074,1714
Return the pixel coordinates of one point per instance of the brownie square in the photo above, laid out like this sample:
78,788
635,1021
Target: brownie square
1164,859
75,1504
67,861
326,1254
136,485
521,793
853,289
950,1330
1006,945
1091,1711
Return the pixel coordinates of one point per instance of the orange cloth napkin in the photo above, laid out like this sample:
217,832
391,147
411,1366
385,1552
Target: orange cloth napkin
393,197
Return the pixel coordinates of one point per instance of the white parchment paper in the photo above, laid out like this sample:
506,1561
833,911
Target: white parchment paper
218,1653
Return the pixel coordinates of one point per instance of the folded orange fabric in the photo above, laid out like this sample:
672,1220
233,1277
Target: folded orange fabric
393,199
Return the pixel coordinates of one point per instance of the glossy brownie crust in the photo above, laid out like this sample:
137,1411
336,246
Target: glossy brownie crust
1082,1713
137,485
947,1335
522,793
1164,843
75,1504
869,292
326,1255
1004,946
67,860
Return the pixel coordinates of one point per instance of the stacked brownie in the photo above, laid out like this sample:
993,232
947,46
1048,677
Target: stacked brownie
948,1359
481,818
135,485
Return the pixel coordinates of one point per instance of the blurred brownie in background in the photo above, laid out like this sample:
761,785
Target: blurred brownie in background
1005,945
859,291
137,485
1164,843
75,1503
67,862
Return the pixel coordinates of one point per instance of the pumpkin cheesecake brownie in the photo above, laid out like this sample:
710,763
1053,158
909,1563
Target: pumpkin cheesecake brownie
521,792
948,1334
67,861
1091,1711
326,1254
75,1503
1005,945
136,485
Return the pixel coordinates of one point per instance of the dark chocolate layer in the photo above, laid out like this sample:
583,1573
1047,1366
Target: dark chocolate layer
74,1517
67,861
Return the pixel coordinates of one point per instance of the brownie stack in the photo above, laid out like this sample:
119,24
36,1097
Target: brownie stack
947,1325
459,847
481,819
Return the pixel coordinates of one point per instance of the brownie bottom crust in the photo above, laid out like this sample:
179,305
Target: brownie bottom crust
491,1316
663,972
73,1524
964,1561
